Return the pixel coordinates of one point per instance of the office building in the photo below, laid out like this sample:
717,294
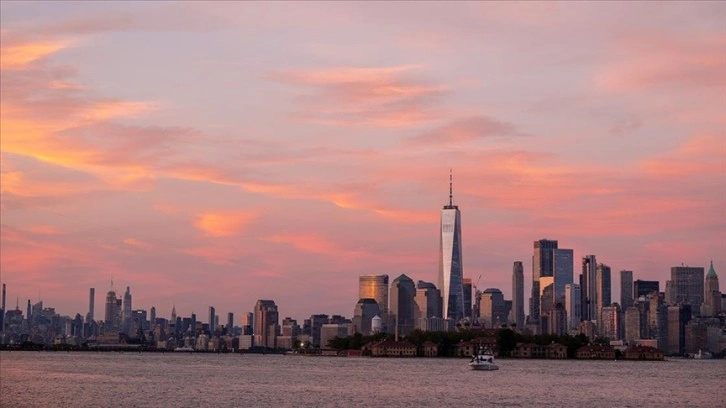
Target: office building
644,288
712,294
375,287
363,314
631,326
451,268
678,317
610,322
467,285
492,313
603,289
518,294
91,302
626,289
573,308
542,266
212,321
111,321
266,320
401,300
427,300
688,286
589,291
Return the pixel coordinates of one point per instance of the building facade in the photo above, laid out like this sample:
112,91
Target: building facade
451,268
518,295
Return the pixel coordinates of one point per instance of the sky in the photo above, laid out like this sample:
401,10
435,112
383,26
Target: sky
218,153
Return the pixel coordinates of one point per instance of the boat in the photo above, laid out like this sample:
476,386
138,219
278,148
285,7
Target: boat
702,355
185,348
483,360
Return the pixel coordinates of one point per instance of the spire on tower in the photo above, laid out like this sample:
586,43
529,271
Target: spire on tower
451,190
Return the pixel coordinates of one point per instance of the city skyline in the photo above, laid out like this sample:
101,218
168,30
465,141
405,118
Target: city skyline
281,155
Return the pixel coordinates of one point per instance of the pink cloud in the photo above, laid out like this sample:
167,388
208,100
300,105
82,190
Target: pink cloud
224,223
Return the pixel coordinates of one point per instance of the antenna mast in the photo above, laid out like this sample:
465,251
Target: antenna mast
451,191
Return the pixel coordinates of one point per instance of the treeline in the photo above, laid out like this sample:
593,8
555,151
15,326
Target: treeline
506,340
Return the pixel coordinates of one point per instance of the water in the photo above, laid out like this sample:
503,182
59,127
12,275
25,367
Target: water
47,379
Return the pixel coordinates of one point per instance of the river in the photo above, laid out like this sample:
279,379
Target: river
110,379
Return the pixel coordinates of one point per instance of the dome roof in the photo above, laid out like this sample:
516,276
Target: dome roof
711,272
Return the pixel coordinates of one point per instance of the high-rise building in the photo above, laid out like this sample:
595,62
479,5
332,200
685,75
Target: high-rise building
212,321
112,312
688,285
573,308
589,291
610,318
363,314
712,295
375,287
266,319
126,316
632,325
626,289
518,294
467,286
603,287
563,272
645,288
403,291
542,266
3,301
492,313
428,301
91,304
230,323
678,316
451,268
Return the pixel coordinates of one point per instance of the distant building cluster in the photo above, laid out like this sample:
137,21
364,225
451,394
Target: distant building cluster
687,317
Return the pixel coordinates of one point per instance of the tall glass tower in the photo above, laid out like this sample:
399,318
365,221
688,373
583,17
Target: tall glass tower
451,270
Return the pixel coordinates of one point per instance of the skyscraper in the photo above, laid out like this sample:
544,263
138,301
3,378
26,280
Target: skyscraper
91,303
688,285
603,286
111,311
562,267
212,321
266,319
589,292
626,289
467,286
542,266
428,301
363,314
451,269
403,291
645,288
712,295
126,316
375,287
492,312
573,297
518,294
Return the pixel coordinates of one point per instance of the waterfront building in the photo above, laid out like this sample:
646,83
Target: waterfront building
492,311
212,321
712,295
316,323
644,288
603,288
573,308
266,318
518,295
91,303
626,289
467,287
678,317
427,301
542,266
610,324
451,268
589,291
401,300
688,285
363,314
112,313
632,329
375,287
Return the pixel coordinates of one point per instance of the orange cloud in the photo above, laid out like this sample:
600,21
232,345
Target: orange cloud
133,242
21,55
224,223
698,155
377,96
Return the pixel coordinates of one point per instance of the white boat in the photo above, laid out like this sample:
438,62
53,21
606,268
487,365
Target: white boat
702,355
483,360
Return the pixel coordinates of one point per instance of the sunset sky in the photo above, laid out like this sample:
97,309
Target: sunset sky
219,153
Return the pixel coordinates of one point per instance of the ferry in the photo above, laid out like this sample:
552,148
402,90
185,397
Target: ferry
483,360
